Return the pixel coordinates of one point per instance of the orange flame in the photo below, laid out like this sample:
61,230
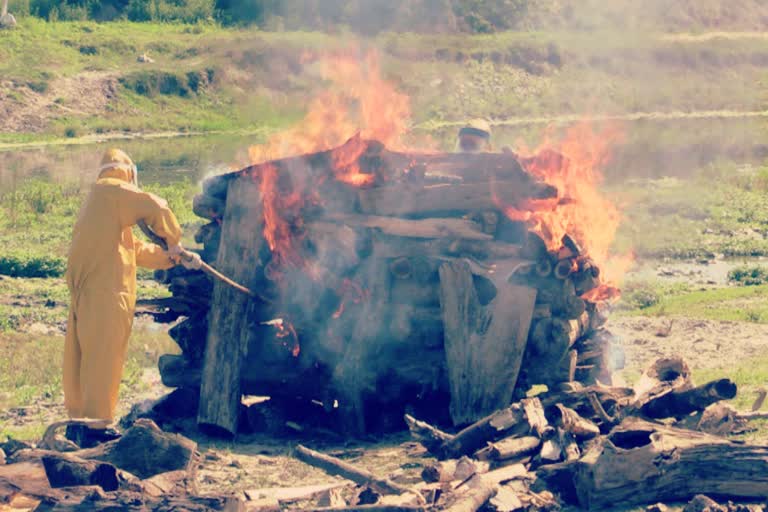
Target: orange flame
350,291
285,329
572,165
358,101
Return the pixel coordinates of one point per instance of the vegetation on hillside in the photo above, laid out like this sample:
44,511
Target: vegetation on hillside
447,16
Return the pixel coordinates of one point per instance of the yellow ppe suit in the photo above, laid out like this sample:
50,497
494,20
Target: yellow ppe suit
101,276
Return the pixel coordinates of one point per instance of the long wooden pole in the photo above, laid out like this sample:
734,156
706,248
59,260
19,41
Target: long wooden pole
187,255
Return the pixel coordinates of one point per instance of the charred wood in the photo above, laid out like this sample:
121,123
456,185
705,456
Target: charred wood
208,207
679,403
145,451
216,186
67,471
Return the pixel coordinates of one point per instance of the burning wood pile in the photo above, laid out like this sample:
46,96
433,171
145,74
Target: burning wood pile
383,282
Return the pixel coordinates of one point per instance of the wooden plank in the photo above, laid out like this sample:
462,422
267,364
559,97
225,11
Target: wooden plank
420,200
413,228
220,383
484,345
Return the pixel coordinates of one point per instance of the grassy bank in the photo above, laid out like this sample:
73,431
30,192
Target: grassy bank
70,79
38,217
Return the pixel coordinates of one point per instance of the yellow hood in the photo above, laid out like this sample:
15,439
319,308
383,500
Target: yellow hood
118,165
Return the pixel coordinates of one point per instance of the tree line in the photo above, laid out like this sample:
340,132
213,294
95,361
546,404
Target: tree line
363,16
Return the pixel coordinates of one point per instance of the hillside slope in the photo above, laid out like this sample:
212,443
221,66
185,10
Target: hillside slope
69,79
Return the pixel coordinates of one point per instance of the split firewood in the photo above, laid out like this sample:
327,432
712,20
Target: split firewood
511,421
436,199
570,448
292,494
570,421
510,448
370,508
335,466
551,449
67,471
432,438
453,469
491,337
507,474
506,500
478,493
415,228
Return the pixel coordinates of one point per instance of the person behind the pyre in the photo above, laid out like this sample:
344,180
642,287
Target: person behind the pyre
474,137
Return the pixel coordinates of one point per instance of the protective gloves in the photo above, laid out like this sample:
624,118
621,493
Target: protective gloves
190,260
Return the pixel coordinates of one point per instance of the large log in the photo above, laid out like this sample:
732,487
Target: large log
220,385
643,462
445,198
415,228
67,471
145,451
484,345
679,403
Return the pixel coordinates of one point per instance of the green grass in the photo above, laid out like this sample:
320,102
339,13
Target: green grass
262,80
30,373
719,211
739,304
38,217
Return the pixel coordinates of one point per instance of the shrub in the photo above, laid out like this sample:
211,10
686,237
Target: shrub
640,296
748,275
39,86
70,133
25,265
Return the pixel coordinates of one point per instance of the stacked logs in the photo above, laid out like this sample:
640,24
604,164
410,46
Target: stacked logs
600,447
567,340
398,285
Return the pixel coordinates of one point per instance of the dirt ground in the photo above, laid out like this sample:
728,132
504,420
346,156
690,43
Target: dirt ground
27,111
704,344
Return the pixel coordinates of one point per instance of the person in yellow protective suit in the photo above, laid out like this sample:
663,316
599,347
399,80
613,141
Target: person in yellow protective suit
474,137
101,276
